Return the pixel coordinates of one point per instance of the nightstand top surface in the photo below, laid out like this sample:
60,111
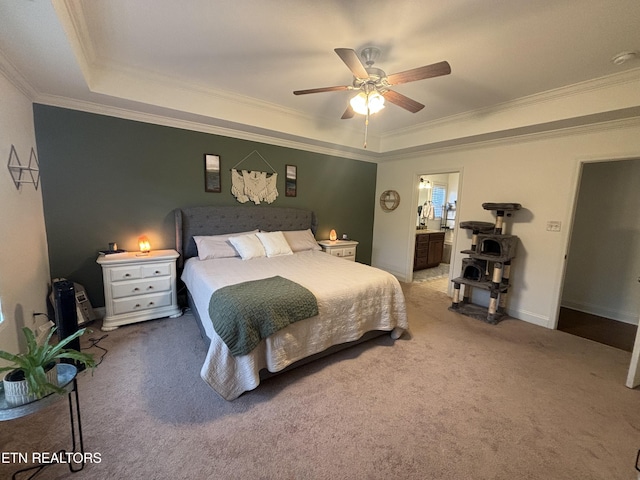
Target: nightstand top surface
132,257
337,243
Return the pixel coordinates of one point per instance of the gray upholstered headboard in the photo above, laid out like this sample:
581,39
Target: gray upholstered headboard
216,220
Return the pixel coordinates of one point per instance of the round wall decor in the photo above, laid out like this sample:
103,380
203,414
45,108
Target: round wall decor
389,200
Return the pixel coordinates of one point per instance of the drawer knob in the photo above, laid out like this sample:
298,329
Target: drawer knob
137,305
157,272
136,289
127,275
150,287
150,304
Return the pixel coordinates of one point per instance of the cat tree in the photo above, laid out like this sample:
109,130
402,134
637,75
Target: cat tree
488,266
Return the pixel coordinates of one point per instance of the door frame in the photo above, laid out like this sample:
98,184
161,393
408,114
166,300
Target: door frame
633,374
412,219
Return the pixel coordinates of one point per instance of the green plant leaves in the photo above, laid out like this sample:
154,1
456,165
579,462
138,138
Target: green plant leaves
38,357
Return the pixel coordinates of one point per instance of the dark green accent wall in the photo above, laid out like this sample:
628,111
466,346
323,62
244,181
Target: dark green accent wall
106,179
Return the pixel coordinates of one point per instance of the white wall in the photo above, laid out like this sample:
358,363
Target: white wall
24,262
604,256
538,171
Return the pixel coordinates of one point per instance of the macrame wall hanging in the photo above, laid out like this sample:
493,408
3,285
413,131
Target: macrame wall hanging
253,185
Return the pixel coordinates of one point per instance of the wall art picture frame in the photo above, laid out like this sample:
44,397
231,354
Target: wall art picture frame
291,181
212,180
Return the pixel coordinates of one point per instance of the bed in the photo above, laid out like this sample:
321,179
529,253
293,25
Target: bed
354,301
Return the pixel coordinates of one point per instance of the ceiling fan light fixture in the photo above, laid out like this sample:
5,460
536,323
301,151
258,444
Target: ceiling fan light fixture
367,103
624,57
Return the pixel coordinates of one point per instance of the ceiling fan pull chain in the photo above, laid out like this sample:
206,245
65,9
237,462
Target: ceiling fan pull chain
366,118
366,128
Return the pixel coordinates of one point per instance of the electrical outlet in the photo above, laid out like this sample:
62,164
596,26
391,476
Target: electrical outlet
553,226
43,331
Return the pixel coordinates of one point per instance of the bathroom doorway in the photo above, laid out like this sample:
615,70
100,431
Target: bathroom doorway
435,222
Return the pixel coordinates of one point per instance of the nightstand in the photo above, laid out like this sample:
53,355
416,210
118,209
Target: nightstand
139,287
340,248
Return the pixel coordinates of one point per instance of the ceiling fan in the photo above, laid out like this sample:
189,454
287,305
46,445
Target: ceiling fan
373,83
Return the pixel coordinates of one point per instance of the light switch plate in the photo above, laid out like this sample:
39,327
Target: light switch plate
553,226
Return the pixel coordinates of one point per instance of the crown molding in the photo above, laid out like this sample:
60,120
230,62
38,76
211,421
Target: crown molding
13,75
200,126
486,141
515,136
588,86
162,91
72,18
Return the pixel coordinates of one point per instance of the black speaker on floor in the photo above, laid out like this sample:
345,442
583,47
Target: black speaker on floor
64,298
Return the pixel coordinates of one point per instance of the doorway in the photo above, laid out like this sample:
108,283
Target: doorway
435,223
600,298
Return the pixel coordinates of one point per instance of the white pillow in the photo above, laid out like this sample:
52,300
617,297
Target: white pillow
248,246
274,243
301,240
217,246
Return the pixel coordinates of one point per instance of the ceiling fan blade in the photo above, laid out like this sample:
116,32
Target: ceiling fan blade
348,113
420,73
350,58
402,101
323,89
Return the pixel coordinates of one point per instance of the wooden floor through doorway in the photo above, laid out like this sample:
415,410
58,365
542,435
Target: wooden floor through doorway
599,329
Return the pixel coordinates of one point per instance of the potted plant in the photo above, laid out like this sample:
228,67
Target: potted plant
32,375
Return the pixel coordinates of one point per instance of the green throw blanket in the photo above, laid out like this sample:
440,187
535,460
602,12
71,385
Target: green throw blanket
245,313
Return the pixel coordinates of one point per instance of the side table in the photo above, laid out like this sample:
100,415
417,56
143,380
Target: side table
340,248
67,380
139,287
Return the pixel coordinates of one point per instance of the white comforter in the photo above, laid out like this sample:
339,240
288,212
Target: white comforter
352,299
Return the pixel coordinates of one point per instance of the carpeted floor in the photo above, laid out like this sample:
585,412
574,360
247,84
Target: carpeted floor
459,399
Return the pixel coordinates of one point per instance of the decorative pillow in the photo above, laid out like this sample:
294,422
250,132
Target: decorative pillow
301,240
248,246
274,243
217,246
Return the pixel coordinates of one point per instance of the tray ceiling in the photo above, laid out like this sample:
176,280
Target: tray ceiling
234,65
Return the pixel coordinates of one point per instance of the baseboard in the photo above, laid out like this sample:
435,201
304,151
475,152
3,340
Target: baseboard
100,312
530,317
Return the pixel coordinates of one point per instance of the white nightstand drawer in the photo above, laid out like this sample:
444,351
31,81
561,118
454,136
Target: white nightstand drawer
340,248
126,305
349,251
118,274
156,270
152,285
346,253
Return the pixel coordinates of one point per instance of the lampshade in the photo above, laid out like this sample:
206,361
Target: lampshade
333,235
374,100
144,244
